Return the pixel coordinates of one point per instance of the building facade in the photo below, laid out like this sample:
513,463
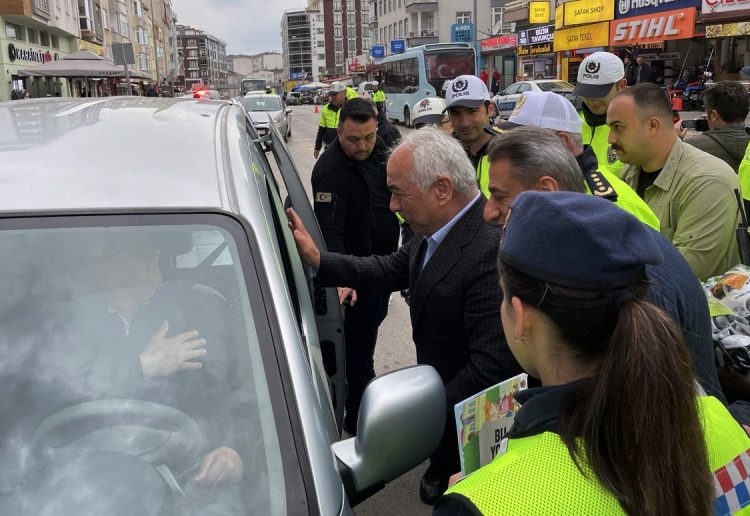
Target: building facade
296,42
34,32
203,58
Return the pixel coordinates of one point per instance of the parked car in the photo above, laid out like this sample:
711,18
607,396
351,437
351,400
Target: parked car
505,103
293,98
265,109
307,98
179,205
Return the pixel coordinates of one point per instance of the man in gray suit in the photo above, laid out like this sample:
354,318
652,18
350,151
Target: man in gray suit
450,271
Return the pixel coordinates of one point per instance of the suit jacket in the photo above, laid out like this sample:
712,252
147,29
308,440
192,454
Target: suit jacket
455,301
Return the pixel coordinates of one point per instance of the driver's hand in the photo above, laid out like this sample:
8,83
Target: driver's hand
223,465
165,356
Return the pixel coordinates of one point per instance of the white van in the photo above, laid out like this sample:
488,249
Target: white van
365,89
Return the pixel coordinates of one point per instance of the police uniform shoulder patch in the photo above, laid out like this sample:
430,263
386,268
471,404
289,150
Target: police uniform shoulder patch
323,197
611,155
599,185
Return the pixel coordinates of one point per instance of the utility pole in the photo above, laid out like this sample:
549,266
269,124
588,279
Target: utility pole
476,50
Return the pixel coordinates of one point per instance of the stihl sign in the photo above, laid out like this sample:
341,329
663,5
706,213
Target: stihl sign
655,27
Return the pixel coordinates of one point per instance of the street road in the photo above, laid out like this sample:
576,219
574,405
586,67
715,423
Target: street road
395,348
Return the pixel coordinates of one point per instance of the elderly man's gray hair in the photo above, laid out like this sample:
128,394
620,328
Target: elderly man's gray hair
437,154
534,152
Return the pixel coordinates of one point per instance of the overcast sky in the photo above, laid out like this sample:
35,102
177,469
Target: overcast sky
247,26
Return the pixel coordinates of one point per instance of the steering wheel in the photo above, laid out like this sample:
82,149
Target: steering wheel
163,435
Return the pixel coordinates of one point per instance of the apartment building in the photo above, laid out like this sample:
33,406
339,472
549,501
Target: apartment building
296,43
203,58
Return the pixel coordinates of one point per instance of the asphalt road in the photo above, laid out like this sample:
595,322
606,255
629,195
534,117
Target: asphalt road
395,348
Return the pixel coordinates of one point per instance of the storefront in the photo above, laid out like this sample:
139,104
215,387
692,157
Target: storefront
499,54
581,27
536,57
728,29
18,53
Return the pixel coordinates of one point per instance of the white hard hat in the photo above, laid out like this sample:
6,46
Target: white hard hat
337,86
428,111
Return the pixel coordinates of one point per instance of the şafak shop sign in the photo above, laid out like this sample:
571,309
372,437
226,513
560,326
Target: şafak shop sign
580,12
655,27
587,36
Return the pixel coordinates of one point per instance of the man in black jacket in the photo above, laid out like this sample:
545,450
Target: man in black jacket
449,267
351,204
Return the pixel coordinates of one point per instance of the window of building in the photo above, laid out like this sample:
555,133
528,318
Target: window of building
105,18
365,18
336,5
400,29
319,18
31,35
497,15
13,31
338,45
44,38
339,57
55,41
406,26
321,57
337,18
337,32
351,17
352,45
463,17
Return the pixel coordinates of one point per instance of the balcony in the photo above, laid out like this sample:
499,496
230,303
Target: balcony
418,6
41,8
88,31
373,24
423,37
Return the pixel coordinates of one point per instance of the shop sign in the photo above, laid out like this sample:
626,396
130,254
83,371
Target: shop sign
532,50
651,28
626,8
398,46
462,32
559,15
587,36
538,12
535,36
35,56
504,42
377,51
579,12
725,30
720,10
663,56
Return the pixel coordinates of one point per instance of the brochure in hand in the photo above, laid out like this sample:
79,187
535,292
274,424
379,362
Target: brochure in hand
484,419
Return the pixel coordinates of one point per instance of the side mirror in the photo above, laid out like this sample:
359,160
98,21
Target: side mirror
401,422
288,111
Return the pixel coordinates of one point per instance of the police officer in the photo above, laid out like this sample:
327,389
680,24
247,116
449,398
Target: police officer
552,111
329,117
351,93
601,76
351,200
378,96
617,423
468,104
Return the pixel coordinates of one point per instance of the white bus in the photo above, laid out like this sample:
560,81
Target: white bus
420,72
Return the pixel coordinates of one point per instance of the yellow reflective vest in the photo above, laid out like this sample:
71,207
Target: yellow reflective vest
378,96
536,474
483,175
351,93
597,137
744,174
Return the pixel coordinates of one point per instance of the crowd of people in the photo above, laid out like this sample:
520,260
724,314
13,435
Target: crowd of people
569,245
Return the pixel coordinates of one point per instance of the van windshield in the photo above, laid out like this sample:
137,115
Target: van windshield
132,355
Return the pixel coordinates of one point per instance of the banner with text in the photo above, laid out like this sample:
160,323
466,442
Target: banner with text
627,8
587,36
580,12
538,12
725,10
651,28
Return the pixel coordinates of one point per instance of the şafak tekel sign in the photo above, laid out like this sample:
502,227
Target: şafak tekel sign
585,36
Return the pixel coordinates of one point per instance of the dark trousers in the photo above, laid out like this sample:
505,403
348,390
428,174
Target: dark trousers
445,458
361,323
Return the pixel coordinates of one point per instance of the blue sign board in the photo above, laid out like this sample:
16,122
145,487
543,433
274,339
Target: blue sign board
628,8
462,32
295,76
398,46
377,51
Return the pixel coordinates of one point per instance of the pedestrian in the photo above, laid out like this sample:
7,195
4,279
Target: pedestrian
467,101
529,158
329,117
643,71
727,138
496,80
630,68
449,269
617,426
555,112
483,76
601,76
690,191
351,201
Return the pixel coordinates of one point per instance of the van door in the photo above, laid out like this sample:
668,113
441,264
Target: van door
328,318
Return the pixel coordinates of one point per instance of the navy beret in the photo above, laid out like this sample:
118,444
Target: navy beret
576,240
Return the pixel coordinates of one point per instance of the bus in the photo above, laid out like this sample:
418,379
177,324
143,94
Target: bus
420,72
249,85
